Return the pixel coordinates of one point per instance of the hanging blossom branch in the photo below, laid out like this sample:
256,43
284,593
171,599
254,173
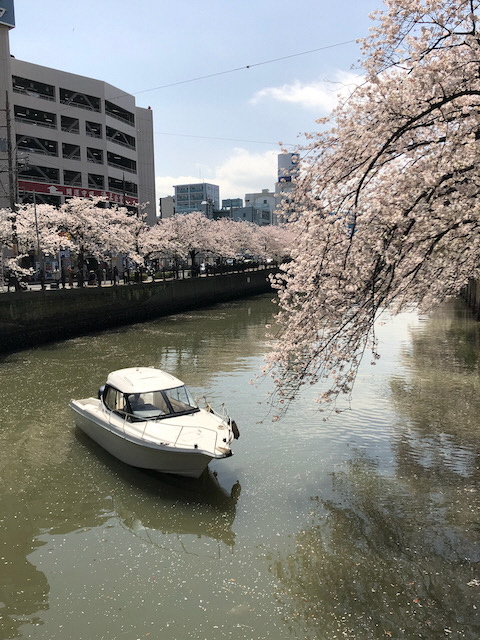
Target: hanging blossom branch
386,211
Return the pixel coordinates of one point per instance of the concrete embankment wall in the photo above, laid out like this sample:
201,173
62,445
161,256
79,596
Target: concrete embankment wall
29,318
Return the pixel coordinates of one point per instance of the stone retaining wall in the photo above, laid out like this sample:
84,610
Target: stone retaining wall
35,317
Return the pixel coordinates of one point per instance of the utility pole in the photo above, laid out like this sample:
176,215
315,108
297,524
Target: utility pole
39,249
11,173
11,177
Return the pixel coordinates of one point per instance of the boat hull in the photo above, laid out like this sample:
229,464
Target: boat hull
184,463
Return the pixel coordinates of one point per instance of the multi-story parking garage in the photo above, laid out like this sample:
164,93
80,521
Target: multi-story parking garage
64,135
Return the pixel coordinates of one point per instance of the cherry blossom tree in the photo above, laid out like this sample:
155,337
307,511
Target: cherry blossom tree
6,231
276,242
188,234
195,234
80,225
35,228
236,238
386,207
160,240
98,231
39,227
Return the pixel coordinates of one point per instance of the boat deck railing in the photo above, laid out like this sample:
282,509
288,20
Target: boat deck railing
223,415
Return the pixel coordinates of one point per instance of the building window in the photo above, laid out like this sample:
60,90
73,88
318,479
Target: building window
70,125
119,113
118,137
96,181
71,151
78,99
93,129
72,178
40,174
33,88
37,145
122,186
36,117
119,162
94,155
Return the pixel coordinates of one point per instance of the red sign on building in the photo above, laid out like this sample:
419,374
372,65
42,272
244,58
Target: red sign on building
75,192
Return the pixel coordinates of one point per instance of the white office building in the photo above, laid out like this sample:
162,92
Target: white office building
202,197
64,135
264,201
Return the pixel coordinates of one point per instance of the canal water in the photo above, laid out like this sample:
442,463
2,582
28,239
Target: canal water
362,526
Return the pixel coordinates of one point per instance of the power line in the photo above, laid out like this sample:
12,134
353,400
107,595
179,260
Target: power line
212,75
186,135
248,66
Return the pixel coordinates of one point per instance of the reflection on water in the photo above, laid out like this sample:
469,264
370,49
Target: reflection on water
382,557
148,500
365,526
396,554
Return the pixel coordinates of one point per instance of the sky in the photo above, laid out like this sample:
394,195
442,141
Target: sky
229,81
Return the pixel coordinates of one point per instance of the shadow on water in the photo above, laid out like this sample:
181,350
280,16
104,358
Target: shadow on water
152,499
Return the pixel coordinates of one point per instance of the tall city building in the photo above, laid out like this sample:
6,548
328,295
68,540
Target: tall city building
286,175
64,135
202,197
7,175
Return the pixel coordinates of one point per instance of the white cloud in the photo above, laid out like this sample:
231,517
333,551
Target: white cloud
321,95
241,173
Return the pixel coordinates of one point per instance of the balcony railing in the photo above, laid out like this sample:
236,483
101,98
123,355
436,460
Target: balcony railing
34,94
121,143
36,123
122,167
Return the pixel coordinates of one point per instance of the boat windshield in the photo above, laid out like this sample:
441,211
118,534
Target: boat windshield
157,404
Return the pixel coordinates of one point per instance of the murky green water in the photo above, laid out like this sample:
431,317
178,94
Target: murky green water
362,527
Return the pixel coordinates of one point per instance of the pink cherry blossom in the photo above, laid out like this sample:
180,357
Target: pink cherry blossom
386,207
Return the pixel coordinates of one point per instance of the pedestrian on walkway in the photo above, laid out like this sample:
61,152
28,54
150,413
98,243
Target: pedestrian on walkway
71,276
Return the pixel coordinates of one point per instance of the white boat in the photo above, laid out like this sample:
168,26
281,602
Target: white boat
148,419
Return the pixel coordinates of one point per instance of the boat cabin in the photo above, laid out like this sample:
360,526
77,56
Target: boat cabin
145,394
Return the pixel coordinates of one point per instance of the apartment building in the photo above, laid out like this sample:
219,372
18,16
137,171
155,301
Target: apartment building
65,135
202,197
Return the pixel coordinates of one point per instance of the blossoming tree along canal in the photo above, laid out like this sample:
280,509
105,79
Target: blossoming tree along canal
387,199
361,527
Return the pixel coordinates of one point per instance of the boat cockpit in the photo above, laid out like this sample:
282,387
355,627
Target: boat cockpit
149,405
